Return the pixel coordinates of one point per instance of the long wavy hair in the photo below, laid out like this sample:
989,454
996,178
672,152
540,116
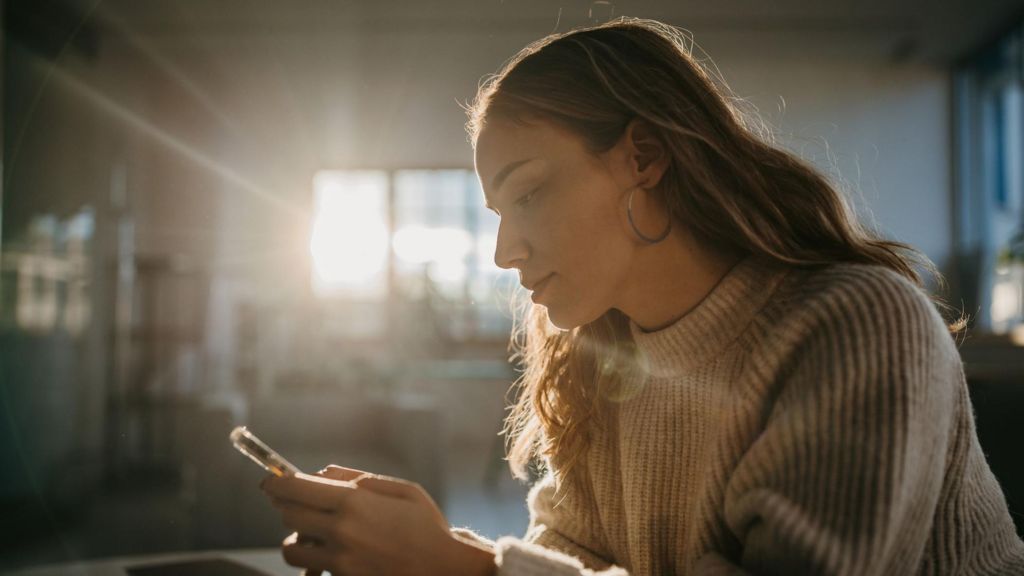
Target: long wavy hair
727,185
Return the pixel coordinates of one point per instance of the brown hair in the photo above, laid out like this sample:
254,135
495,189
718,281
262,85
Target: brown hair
727,185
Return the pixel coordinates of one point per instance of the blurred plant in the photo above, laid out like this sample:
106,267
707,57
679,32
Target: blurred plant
1007,308
1013,252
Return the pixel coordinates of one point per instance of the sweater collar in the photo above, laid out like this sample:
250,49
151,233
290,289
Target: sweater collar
713,324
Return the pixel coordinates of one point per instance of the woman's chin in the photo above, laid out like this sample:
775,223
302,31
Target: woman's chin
566,319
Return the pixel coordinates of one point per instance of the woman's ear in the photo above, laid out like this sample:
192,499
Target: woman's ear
647,156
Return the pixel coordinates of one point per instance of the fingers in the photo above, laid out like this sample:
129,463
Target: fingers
315,558
312,491
309,522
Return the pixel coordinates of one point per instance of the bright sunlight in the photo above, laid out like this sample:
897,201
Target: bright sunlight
349,240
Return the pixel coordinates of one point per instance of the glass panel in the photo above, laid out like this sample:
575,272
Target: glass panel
349,240
444,246
991,188
44,278
492,288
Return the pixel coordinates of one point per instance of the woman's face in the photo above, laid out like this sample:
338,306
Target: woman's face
562,217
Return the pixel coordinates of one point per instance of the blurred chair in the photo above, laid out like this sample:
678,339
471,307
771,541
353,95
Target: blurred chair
994,365
997,406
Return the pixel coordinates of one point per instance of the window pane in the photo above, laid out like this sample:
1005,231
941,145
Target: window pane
444,250
349,241
433,237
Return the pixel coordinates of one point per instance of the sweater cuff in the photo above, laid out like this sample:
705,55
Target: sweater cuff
515,557
468,536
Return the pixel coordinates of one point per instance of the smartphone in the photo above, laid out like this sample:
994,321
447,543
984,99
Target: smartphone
247,443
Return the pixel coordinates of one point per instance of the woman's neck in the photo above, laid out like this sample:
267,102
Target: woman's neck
670,279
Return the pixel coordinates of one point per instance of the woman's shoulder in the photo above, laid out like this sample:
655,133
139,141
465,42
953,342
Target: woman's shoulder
861,322
852,290
849,301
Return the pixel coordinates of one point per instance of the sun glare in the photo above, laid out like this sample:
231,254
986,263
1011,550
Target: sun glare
349,240
419,245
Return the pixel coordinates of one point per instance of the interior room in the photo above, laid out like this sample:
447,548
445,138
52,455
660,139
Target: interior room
221,213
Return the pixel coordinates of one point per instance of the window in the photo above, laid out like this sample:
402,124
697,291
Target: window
44,278
420,241
349,240
989,94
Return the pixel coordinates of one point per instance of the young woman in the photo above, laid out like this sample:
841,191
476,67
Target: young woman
725,373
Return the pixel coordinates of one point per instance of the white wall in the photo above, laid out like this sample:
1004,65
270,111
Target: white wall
295,103
883,128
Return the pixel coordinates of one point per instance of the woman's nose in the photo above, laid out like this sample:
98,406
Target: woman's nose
510,248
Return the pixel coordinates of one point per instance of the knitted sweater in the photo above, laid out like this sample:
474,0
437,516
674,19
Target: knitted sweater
793,422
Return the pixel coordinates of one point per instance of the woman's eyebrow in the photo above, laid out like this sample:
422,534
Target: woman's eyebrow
503,175
506,171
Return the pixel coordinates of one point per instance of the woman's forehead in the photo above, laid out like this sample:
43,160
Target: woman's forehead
503,142
503,137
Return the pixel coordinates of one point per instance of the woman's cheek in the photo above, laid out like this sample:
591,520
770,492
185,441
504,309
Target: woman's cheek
545,224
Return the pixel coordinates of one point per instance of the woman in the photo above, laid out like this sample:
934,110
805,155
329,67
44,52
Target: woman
725,373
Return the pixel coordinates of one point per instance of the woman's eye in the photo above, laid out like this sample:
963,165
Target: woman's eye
524,199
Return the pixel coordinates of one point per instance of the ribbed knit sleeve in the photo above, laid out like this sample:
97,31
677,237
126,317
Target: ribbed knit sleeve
563,537
468,535
845,476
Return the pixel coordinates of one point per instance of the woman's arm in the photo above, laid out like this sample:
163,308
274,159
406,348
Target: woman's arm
845,477
470,556
566,523
390,525
560,540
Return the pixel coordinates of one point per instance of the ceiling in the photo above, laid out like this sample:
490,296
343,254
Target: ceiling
940,32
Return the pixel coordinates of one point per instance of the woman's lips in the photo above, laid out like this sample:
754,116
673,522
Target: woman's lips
538,290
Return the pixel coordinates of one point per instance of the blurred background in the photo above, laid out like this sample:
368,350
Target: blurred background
223,212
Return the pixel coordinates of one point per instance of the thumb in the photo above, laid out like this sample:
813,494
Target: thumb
387,485
378,483
335,472
404,490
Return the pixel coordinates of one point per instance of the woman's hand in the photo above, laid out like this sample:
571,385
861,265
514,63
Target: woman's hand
351,522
